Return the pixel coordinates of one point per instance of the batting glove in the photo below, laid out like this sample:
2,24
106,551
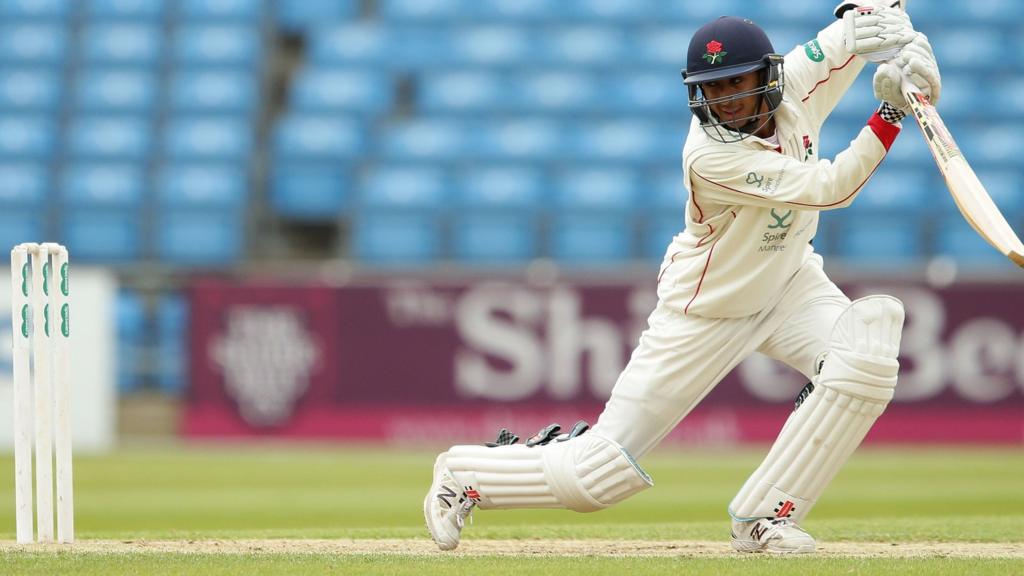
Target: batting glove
876,33
917,62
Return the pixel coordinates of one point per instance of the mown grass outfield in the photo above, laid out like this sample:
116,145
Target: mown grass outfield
283,510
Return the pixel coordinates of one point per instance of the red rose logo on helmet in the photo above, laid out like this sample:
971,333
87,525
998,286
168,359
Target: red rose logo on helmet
714,52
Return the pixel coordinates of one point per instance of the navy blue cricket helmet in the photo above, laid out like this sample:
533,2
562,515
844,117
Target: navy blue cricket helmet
723,48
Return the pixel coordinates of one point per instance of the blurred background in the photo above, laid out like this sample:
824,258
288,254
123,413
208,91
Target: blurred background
420,220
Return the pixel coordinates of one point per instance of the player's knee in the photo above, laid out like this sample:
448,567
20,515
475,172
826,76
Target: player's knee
591,472
863,348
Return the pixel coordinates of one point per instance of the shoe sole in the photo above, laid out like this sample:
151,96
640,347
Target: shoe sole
756,548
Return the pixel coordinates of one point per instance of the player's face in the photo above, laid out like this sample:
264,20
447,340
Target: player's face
734,113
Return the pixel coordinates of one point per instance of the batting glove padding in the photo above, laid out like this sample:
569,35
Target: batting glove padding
876,33
916,61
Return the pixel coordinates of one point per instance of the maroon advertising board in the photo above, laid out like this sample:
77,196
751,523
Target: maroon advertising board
411,360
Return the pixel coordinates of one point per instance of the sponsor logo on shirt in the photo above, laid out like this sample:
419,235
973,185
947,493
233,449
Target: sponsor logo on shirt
814,51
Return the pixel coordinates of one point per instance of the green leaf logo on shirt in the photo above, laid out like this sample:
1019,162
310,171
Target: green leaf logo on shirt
780,219
814,52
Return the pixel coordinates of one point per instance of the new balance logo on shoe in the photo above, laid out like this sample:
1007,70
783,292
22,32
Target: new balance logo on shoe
758,531
445,494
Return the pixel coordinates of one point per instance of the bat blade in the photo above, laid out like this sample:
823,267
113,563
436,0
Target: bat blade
967,191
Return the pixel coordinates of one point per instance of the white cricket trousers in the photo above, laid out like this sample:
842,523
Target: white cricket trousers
680,357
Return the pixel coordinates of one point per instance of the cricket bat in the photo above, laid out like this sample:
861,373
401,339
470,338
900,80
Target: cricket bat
967,190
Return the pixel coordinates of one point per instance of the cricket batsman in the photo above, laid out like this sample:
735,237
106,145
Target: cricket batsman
741,277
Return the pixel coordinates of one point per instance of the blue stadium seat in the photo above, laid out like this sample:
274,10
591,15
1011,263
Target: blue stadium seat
200,236
701,12
957,240
172,315
19,225
116,90
109,137
909,148
216,90
625,141
557,92
34,9
526,139
397,238
663,202
24,44
132,336
298,15
786,37
428,139
23,184
591,239
29,89
319,138
242,10
937,13
665,190
23,136
217,45
636,93
501,188
464,91
1006,91
309,191
975,49
584,45
101,235
509,10
209,138
665,48
618,12
320,90
494,44
434,10
125,10
992,144
198,185
598,189
411,188
658,231
959,98
498,214
494,237
858,104
881,240
137,43
894,190
103,185
365,44
813,14
827,240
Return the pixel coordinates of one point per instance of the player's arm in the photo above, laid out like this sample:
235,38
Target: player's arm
820,71
730,175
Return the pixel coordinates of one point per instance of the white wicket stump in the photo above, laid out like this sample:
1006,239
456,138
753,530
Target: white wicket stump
42,390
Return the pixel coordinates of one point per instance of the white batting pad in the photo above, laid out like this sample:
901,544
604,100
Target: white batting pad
584,474
855,385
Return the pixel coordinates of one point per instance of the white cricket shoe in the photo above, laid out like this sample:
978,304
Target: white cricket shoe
775,535
445,508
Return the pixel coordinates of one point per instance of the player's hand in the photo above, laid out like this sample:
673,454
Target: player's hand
917,62
876,33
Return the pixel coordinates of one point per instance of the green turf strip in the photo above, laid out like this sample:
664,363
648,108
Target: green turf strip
306,564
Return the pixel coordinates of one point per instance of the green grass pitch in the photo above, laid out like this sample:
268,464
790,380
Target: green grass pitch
276,509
